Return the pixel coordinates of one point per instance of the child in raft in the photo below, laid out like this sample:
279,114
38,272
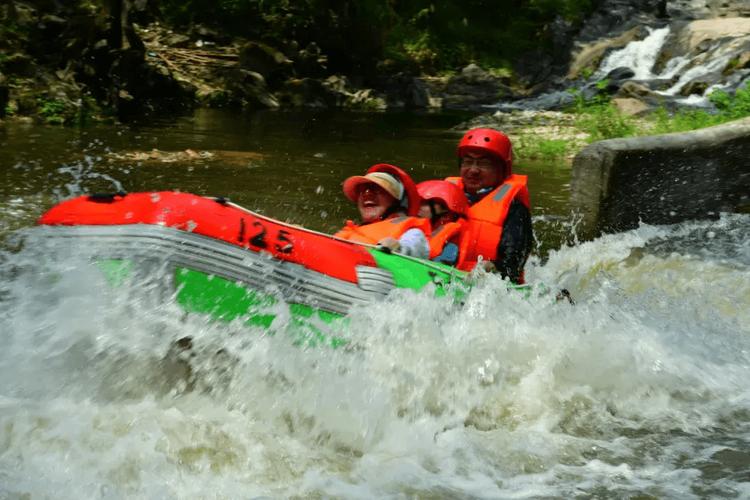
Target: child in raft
445,205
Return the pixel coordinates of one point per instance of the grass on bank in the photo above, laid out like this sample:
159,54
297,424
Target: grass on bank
600,119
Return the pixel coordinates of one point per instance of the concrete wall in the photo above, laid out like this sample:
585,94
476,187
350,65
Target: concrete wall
662,179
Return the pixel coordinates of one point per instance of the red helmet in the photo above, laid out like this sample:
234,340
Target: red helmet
411,199
447,192
487,141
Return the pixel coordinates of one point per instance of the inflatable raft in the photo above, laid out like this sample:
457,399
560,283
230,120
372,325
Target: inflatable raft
219,258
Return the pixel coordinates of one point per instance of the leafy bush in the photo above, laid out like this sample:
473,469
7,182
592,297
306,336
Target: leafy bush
53,111
600,119
732,107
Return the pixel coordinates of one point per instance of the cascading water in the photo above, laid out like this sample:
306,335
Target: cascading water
640,56
640,388
706,65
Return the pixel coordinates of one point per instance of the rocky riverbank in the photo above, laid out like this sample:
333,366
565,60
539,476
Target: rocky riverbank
71,64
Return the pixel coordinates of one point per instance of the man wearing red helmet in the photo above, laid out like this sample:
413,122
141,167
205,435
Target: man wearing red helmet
499,219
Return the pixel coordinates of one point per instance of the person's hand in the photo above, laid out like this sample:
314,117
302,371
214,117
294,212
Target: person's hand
391,244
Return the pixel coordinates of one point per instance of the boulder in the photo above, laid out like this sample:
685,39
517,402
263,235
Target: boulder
367,99
472,88
663,179
630,106
404,91
306,93
634,89
697,87
474,74
698,35
270,63
310,62
621,73
250,90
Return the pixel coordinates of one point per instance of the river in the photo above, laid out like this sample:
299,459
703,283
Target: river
639,390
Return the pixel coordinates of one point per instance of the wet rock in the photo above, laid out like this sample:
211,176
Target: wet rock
404,91
367,99
471,89
634,89
249,88
551,101
306,93
339,84
474,74
742,61
621,73
270,63
310,62
695,87
616,78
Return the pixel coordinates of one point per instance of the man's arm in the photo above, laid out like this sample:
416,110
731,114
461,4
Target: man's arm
516,242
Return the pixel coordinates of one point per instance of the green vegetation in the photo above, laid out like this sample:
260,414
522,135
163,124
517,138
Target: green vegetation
604,121
53,111
600,119
535,148
425,35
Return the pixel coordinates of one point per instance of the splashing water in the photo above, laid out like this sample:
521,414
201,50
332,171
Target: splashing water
639,388
639,55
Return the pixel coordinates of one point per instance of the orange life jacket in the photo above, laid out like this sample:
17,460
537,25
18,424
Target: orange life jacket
374,232
443,235
482,232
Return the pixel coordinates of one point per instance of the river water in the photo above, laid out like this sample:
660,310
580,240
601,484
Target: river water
639,390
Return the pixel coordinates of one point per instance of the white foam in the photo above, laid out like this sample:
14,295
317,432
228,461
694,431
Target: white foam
501,397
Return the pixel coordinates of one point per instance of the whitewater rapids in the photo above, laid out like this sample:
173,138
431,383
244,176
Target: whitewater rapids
640,388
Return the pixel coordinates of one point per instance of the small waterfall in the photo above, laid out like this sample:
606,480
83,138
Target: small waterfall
639,56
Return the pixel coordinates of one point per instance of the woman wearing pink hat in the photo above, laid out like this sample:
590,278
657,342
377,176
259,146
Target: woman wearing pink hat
388,203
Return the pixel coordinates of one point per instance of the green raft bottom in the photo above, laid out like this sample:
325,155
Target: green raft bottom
226,300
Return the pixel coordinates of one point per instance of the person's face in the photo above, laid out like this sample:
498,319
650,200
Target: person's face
441,215
479,171
424,211
372,202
